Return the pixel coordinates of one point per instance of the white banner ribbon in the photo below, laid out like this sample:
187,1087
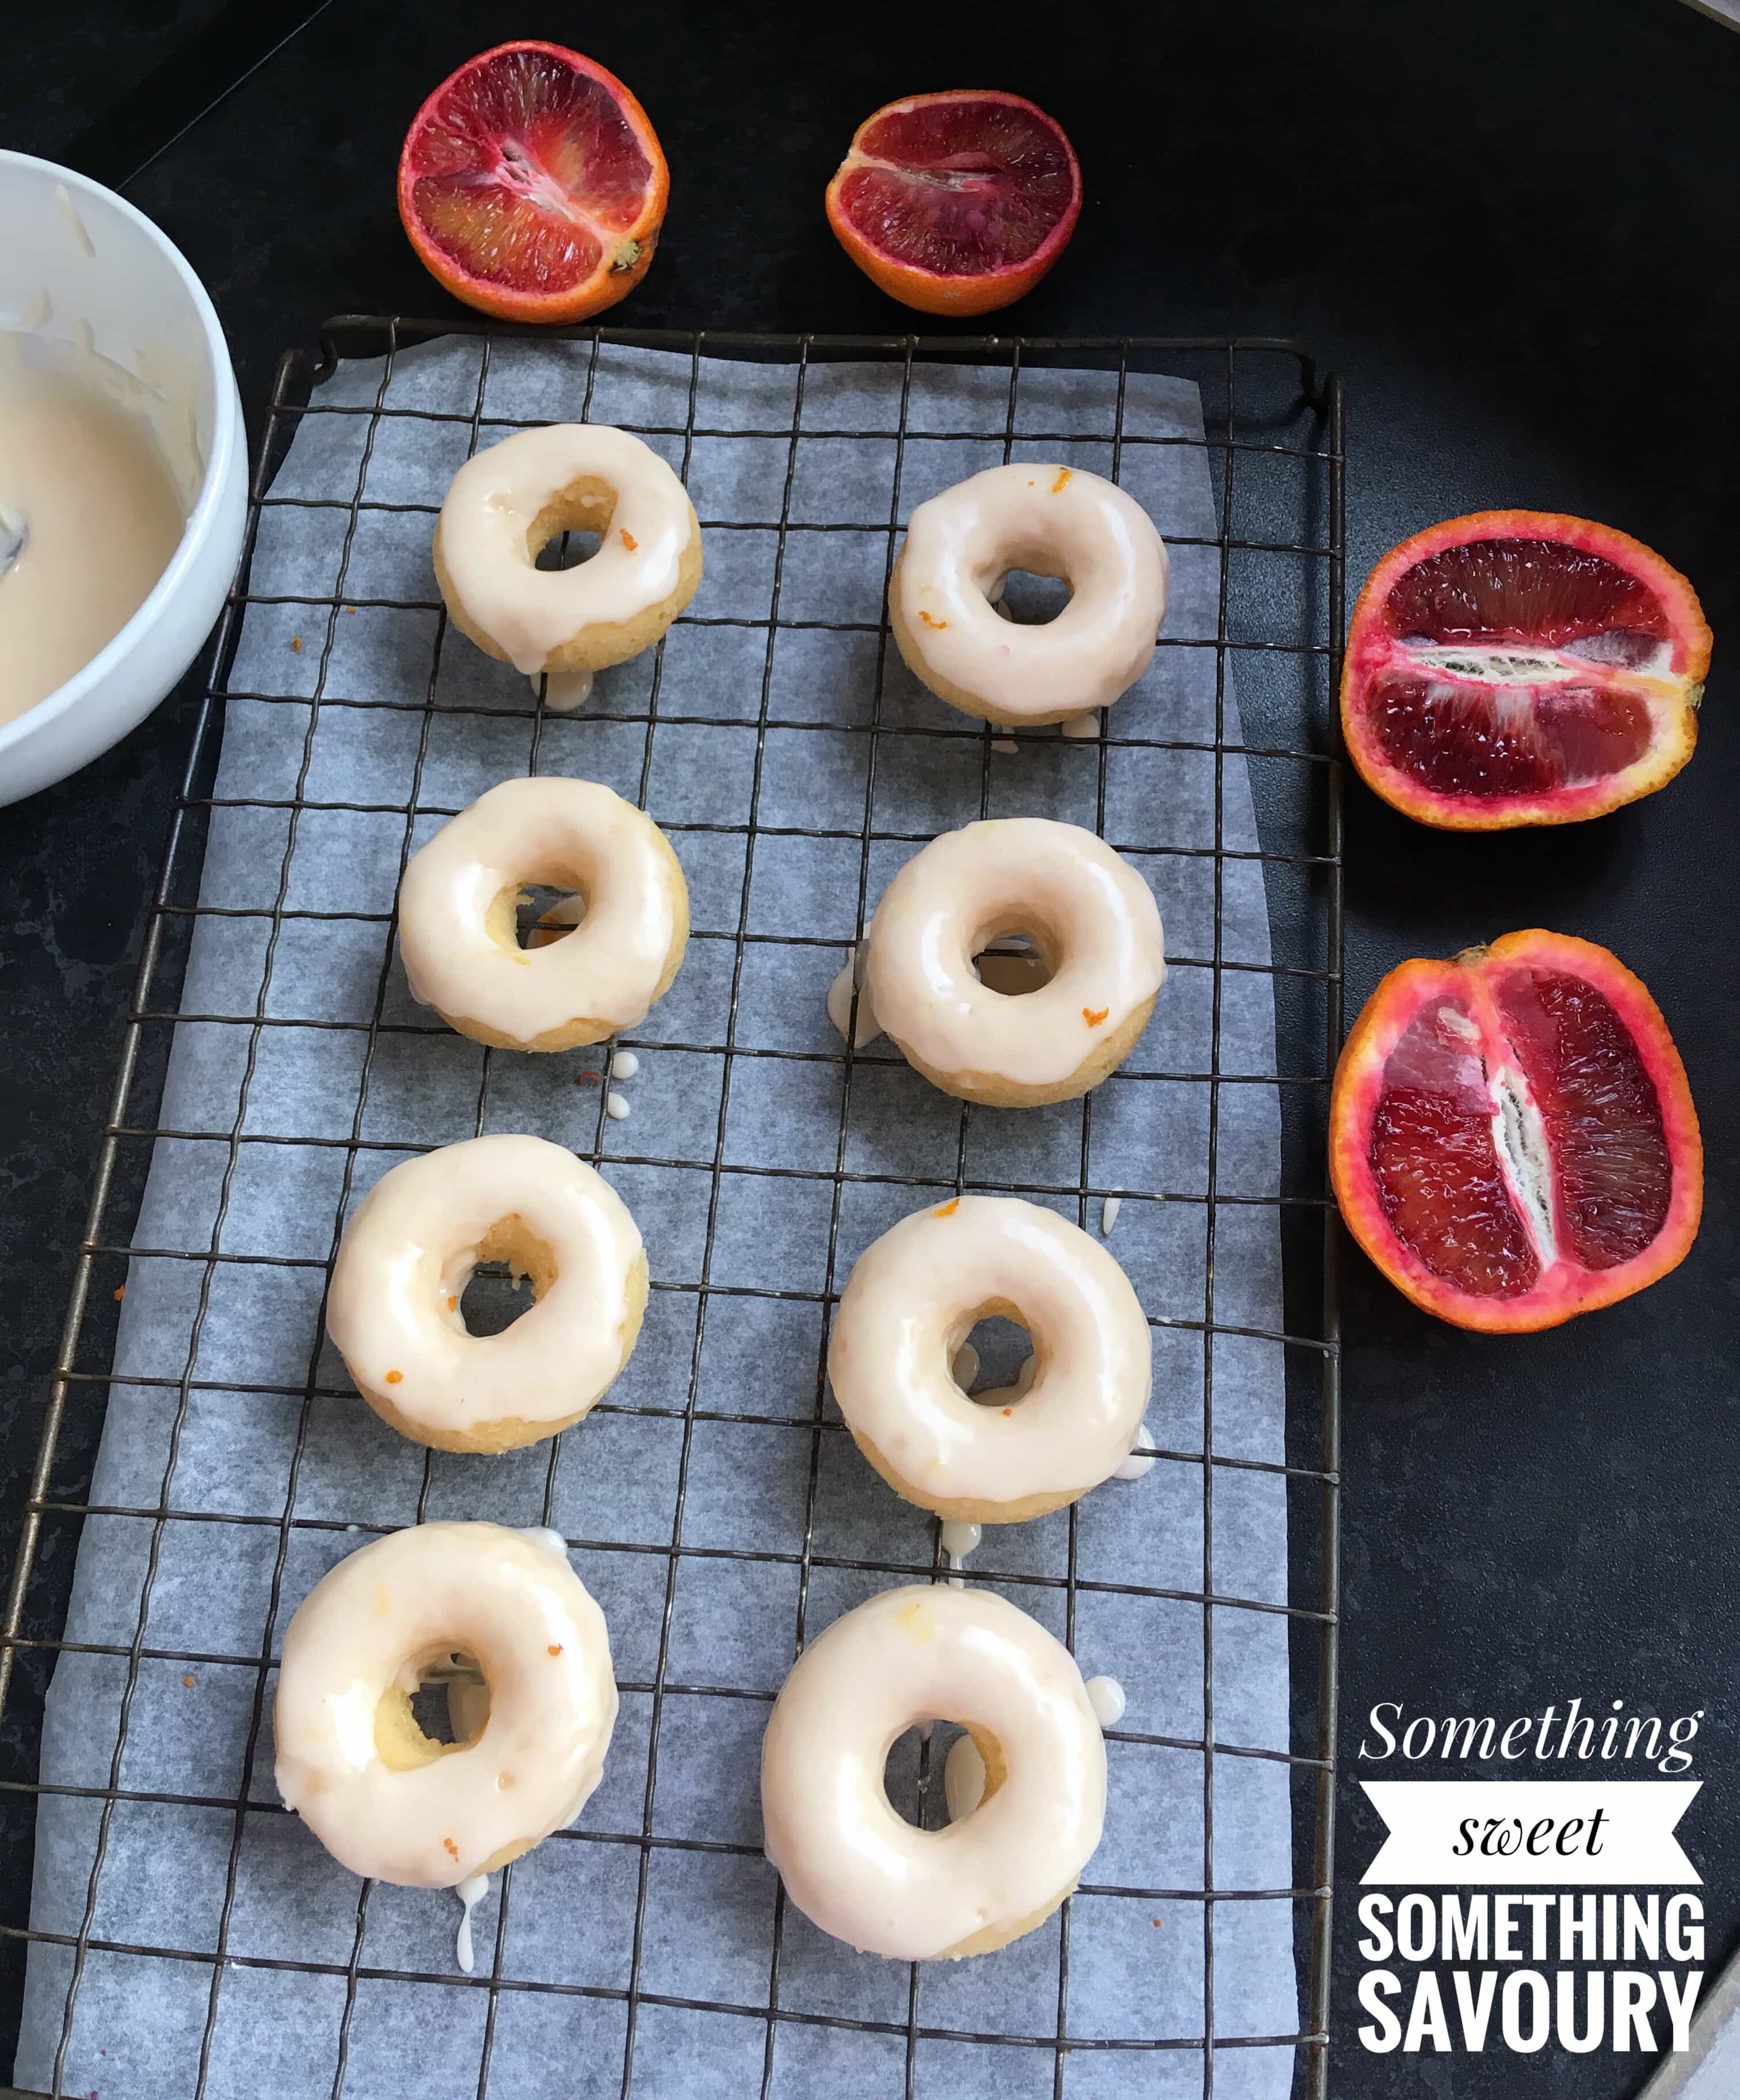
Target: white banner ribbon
1542,1833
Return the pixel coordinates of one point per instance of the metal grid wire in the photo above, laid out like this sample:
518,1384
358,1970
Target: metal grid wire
1311,1349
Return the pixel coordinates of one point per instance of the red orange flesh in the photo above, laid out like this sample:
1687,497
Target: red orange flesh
958,202
1519,667
532,185
1512,1138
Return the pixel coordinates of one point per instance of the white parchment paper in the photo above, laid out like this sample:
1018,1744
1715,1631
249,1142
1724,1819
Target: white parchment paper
272,1449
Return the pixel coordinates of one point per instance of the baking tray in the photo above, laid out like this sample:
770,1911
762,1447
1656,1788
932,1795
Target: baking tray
1273,431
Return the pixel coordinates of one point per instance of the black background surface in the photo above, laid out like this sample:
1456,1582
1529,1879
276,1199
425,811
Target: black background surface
1511,225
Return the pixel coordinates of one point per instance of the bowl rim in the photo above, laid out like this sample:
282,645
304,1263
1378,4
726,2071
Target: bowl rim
226,436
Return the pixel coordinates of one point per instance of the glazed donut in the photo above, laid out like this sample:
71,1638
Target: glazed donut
852,1865
1052,521
394,1314
914,1296
506,503
384,1798
458,901
1092,921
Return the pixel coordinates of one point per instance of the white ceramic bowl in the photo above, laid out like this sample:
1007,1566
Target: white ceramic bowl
76,256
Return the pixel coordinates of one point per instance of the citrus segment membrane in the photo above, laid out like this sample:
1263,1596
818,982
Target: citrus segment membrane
527,172
1440,1176
1506,715
1516,666
1601,1114
1492,1150
1499,740
957,187
1512,1139
1486,594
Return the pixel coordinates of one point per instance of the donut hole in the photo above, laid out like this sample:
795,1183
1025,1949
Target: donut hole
1014,964
1029,598
544,906
930,1781
440,1704
571,526
568,550
546,913
991,1363
492,1296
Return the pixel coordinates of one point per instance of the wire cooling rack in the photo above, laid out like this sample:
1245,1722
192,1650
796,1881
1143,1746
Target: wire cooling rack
1273,436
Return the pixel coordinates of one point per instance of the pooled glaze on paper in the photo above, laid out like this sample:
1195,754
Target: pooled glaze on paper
471,1892
1105,1695
1139,1462
851,974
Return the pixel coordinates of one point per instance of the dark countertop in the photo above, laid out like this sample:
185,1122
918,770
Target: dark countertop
1512,230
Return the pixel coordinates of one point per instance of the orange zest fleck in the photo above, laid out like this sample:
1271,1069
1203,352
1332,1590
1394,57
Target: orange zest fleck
929,622
189,1682
628,540
448,1845
948,1209
1093,1015
395,1378
121,1292
1064,474
1008,1410
555,1647
296,642
1155,1921
452,1305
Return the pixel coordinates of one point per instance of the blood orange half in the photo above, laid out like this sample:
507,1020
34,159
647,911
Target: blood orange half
1512,1138
532,185
1515,666
957,203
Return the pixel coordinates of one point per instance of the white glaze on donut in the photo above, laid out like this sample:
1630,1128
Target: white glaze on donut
911,1300
457,904
1088,912
1051,521
849,1861
488,543
408,1253
347,1749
